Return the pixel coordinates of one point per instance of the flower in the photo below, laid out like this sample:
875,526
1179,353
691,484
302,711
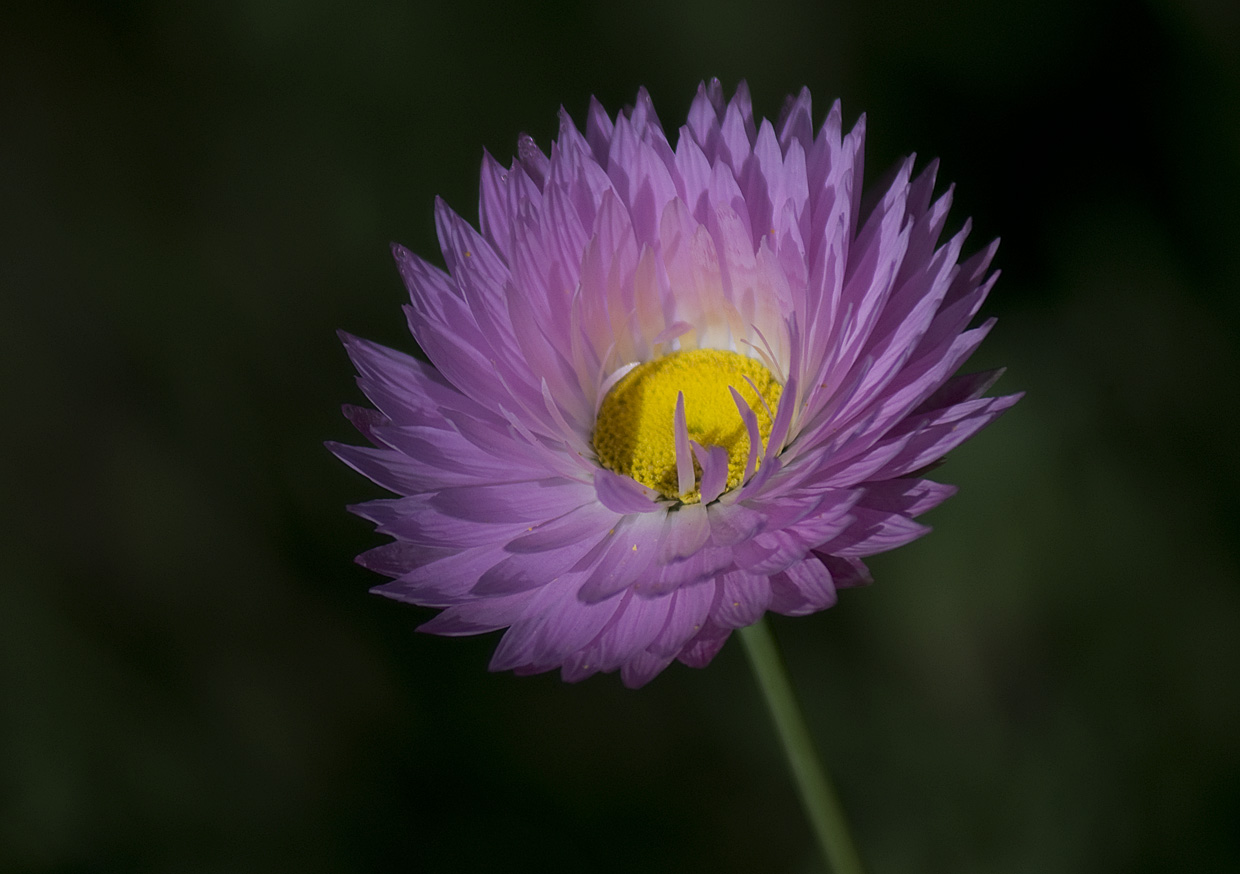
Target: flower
672,387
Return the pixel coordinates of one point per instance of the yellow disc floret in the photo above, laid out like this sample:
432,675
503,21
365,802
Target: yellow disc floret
635,433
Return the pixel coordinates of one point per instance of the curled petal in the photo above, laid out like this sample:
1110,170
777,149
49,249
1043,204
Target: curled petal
714,463
623,494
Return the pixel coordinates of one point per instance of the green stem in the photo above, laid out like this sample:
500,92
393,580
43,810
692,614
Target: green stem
818,797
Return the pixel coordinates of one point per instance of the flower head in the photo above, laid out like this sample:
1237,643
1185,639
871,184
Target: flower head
673,387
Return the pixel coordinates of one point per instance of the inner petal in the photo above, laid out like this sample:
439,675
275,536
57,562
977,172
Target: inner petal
634,433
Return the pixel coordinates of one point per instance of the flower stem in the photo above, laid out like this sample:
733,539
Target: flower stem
817,796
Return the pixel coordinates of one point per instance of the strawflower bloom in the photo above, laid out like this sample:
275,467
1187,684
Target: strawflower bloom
673,387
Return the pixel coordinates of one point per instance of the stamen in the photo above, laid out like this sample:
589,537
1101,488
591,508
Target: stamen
639,433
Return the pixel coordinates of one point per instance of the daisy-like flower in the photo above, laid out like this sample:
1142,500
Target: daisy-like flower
673,387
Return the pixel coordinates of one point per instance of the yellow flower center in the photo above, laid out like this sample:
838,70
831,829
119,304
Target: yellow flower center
635,433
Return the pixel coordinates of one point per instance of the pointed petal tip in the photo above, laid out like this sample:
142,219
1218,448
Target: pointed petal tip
384,592
489,161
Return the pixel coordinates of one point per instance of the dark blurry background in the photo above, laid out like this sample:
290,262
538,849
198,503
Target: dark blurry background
193,678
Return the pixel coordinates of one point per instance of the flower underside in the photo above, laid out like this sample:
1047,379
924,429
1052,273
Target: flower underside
635,432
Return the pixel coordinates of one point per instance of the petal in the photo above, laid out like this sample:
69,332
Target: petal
737,131
873,532
522,571
704,646
846,571
493,205
910,497
714,463
751,426
704,564
554,625
599,129
384,467
407,390
732,523
704,115
802,588
642,668
623,494
686,478
796,121
686,530
622,558
743,600
635,625
532,501
476,617
687,612
945,431
410,519
442,582
581,523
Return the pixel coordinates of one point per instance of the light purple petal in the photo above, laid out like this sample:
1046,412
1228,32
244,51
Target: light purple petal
635,626
685,531
643,668
623,494
623,558
945,432
911,497
714,462
874,531
443,582
796,122
743,600
702,565
553,626
686,614
506,502
477,616
732,523
522,571
802,588
493,205
847,572
699,651
684,457
582,523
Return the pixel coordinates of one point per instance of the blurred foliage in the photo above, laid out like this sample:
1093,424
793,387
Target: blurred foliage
193,677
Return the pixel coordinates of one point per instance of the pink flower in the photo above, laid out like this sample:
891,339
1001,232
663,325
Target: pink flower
673,387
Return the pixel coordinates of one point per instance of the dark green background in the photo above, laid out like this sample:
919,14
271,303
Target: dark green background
193,677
